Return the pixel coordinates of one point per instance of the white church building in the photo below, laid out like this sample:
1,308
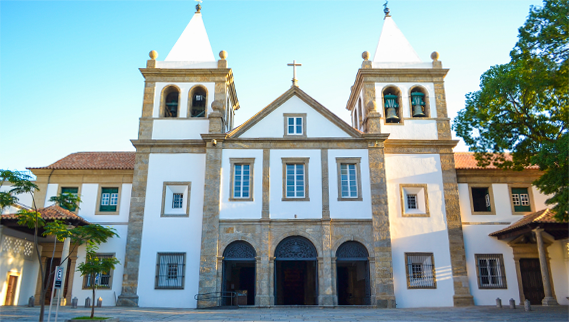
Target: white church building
296,206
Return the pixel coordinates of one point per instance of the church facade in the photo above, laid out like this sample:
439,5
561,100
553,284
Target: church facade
297,207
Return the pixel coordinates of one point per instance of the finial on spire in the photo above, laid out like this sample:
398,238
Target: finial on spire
294,80
385,9
198,6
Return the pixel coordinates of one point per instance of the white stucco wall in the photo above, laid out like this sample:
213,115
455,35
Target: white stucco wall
179,129
349,209
302,209
241,209
90,202
419,234
51,191
116,246
171,234
559,261
272,126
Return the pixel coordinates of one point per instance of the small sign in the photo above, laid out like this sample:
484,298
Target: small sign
58,277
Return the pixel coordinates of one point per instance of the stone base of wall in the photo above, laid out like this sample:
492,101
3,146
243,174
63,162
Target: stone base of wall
127,300
463,300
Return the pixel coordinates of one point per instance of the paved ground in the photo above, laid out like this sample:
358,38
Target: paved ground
478,313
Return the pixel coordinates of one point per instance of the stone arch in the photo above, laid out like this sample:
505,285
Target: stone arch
239,250
224,243
168,92
355,239
392,89
277,241
193,109
296,247
352,250
427,106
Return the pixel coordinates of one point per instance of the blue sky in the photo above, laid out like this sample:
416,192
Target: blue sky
69,78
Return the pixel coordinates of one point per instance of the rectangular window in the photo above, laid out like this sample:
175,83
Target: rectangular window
241,181
177,200
420,270
103,280
72,190
521,200
170,270
490,270
295,180
295,125
109,199
412,201
348,180
481,199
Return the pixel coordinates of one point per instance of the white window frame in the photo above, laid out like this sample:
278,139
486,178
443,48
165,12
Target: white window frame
296,161
355,161
236,162
499,274
296,117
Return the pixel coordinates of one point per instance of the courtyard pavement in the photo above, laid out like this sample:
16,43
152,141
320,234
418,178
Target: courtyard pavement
476,313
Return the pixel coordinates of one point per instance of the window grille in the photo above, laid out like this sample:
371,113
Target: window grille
241,181
177,200
490,269
348,180
420,270
412,201
295,180
294,126
103,280
170,270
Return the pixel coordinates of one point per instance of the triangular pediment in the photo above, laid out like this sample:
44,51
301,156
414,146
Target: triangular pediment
319,121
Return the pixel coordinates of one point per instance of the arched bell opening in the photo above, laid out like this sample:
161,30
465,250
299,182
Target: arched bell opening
198,102
239,273
170,101
352,274
419,102
296,272
392,104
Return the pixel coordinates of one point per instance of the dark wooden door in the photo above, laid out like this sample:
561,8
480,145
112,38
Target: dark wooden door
531,280
11,291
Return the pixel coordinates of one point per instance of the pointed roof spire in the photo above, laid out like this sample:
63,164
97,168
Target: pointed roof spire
193,44
393,46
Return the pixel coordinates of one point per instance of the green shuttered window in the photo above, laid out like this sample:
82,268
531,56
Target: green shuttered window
109,199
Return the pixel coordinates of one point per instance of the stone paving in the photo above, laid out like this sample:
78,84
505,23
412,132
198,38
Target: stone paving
473,313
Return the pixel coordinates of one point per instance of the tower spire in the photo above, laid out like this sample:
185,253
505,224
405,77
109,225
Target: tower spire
198,6
385,9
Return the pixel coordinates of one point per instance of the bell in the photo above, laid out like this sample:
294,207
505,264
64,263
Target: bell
418,111
390,108
391,115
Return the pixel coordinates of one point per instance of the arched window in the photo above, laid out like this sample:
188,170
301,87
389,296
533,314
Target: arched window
198,99
170,99
419,102
239,250
392,103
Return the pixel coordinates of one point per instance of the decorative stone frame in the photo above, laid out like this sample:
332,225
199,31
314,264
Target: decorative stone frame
111,273
191,102
164,190
158,255
163,95
304,161
304,125
233,162
501,268
349,160
490,192
426,100
397,91
530,196
99,194
403,193
78,186
432,268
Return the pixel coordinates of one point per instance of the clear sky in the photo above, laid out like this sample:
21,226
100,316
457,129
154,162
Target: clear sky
69,78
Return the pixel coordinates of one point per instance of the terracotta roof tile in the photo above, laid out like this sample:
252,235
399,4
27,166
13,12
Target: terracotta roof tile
466,160
544,216
53,212
94,161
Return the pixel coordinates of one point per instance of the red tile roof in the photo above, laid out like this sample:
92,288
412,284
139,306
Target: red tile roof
53,212
94,161
466,160
544,216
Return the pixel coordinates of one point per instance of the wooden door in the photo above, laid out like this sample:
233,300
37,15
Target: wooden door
531,280
11,291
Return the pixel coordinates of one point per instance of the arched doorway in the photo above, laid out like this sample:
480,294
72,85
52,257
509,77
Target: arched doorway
352,272
239,271
296,272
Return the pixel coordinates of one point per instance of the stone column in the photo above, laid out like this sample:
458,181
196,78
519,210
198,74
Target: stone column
333,276
272,280
71,273
382,276
210,222
549,298
129,296
64,255
462,295
262,269
325,290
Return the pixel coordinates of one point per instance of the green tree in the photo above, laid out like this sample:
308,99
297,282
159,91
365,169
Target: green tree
69,201
519,116
93,267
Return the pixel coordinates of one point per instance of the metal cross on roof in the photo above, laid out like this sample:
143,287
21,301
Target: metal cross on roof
294,80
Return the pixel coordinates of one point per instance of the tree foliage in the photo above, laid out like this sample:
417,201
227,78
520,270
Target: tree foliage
519,116
69,201
20,182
